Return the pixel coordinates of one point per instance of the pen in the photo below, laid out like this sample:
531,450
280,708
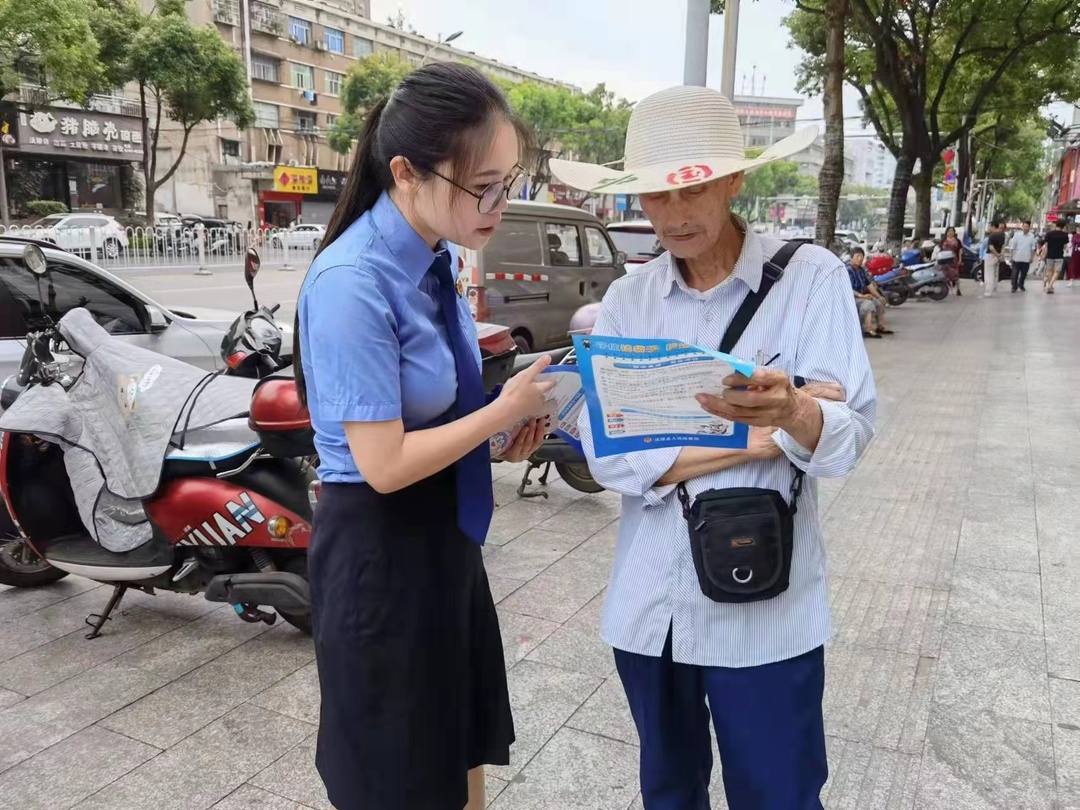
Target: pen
772,359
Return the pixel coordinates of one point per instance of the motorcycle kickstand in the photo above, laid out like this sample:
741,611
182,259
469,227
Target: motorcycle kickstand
527,481
99,619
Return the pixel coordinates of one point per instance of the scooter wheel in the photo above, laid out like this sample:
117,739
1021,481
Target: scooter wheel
296,563
21,568
577,476
896,297
939,292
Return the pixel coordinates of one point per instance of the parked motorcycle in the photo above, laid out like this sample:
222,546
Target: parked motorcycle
143,472
929,280
567,460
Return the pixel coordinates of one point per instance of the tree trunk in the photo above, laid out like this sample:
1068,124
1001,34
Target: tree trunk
894,233
924,190
832,171
149,159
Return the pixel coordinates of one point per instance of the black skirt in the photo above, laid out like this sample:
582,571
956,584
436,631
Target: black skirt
409,653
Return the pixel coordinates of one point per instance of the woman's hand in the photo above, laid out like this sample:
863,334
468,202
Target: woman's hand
761,446
528,440
523,395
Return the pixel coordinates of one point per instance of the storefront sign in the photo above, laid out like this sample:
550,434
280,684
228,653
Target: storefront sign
296,180
78,133
9,127
331,183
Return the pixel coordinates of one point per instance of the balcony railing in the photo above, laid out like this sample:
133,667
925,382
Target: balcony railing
267,18
36,96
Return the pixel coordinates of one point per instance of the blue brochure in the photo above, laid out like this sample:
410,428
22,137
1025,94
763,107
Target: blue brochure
640,394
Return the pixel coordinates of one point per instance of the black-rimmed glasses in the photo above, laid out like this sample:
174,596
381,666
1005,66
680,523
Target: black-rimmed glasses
488,199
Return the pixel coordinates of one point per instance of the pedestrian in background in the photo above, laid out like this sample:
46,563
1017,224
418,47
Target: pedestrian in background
1022,249
1074,253
1053,252
682,650
407,641
952,270
995,247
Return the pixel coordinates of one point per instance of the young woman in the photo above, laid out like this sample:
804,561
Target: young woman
952,271
414,696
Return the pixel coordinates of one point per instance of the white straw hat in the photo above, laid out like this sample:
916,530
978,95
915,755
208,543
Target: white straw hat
680,137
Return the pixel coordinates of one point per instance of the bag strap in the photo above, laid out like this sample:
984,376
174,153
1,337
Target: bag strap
771,272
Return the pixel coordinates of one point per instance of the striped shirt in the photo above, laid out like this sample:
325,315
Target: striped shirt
809,319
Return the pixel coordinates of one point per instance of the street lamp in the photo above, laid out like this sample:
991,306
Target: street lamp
439,44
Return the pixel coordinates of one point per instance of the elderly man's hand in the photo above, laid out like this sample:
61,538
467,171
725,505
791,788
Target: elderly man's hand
833,392
766,399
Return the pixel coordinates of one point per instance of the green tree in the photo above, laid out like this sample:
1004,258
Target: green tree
186,76
775,180
368,80
52,41
927,70
1014,149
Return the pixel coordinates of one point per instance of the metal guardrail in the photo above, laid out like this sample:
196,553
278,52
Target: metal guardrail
169,247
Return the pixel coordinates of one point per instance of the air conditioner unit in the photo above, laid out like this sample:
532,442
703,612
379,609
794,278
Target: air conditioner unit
294,162
319,46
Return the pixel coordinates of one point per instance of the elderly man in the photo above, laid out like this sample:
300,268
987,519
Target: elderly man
678,639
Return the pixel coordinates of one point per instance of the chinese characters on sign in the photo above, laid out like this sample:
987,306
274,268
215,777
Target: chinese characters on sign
78,133
296,180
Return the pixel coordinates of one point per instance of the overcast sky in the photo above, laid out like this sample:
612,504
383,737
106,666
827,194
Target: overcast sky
635,47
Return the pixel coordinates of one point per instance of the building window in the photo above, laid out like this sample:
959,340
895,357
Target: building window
300,30
333,82
362,47
230,149
331,119
266,115
334,40
303,76
303,121
264,69
274,151
414,58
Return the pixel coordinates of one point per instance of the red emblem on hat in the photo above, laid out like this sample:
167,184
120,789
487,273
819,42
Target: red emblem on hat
689,174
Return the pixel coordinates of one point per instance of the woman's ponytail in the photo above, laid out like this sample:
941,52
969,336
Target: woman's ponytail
368,178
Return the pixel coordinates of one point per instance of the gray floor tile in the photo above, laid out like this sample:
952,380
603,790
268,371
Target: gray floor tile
543,698
294,775
1062,641
1061,586
16,602
981,761
607,713
249,797
493,786
65,657
904,618
993,670
185,606
515,519
529,554
65,617
71,770
561,590
16,639
575,771
1006,546
296,695
521,634
502,587
577,644
206,767
1065,697
9,698
877,697
199,698
1000,600
583,517
863,777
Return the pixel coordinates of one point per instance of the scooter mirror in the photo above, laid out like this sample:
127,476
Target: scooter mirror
34,259
251,269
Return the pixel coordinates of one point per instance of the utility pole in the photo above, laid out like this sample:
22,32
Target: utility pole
696,66
731,36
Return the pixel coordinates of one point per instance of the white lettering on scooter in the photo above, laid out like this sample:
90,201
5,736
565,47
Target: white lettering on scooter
243,515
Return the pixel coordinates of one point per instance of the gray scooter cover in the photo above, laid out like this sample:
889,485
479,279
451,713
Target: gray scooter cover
117,421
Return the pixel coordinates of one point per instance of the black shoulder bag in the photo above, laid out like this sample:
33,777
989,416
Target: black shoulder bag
742,538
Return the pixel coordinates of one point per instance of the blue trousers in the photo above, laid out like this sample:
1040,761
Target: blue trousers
768,722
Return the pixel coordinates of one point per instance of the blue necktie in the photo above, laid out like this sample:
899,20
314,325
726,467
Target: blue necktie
475,499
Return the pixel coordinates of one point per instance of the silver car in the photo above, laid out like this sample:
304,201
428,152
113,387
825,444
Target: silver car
191,335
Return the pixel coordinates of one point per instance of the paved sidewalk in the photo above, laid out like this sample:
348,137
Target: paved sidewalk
954,676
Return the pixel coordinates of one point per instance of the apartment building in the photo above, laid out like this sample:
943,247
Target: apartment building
296,54
765,120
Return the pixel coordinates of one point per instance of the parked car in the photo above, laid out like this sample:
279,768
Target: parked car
220,236
193,335
637,239
543,263
97,234
302,236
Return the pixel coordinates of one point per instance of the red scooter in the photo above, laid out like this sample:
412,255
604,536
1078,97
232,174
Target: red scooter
230,516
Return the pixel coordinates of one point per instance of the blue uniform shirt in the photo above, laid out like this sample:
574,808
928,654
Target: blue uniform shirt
372,336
